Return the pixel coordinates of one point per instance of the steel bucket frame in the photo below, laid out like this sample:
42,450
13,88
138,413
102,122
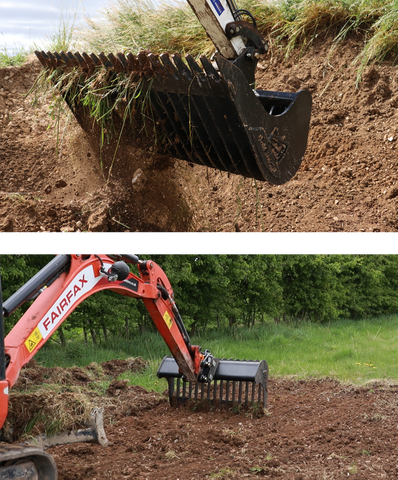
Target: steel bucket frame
211,116
236,383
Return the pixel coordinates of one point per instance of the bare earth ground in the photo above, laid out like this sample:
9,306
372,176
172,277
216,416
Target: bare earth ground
347,182
315,429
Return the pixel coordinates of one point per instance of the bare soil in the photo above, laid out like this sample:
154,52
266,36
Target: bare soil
347,182
313,429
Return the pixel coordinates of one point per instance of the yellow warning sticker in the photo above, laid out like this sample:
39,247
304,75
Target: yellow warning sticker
167,319
33,340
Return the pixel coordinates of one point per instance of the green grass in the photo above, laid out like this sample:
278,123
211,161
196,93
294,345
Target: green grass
347,350
12,59
132,25
61,39
340,349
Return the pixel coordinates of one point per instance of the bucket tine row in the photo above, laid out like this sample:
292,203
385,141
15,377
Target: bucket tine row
209,113
237,383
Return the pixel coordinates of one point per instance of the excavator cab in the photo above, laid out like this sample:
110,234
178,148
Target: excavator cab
209,113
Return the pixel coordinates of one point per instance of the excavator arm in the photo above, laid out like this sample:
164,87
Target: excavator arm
68,280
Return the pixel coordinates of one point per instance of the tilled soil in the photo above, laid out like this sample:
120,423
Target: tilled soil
316,429
311,429
347,182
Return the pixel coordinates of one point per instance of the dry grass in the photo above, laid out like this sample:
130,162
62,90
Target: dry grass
134,25
46,411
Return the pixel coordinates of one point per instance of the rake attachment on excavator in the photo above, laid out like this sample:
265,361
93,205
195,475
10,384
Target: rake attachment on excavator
236,384
210,114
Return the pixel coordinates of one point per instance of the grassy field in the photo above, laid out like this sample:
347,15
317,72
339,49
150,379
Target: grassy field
351,351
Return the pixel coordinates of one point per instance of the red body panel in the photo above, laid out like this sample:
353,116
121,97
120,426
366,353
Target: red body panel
83,279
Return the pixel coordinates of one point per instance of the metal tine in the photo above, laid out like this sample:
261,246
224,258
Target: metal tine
169,65
156,65
209,69
82,62
233,390
51,60
65,58
44,59
95,59
123,60
145,65
240,393
90,63
198,72
184,390
117,65
190,390
105,61
196,69
227,392
221,390
181,67
59,61
202,391
208,393
253,392
196,390
247,393
56,59
75,62
133,62
178,395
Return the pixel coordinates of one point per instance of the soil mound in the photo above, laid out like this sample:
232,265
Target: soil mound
34,374
49,400
347,182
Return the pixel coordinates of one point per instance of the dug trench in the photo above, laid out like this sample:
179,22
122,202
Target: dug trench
58,181
312,429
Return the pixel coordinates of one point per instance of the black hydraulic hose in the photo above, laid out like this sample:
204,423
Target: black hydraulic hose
50,272
177,317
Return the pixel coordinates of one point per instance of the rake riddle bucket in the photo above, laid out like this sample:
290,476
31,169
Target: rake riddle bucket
210,116
236,383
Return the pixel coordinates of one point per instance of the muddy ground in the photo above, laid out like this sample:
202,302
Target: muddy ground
314,429
347,182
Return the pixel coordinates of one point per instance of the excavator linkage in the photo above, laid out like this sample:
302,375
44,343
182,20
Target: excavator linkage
236,383
209,113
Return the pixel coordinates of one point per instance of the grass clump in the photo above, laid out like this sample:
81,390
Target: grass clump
13,59
134,25
104,96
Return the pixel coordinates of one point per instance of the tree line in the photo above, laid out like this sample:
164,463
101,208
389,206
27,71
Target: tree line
231,291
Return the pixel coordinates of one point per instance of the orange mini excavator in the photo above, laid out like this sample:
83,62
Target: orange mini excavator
59,288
